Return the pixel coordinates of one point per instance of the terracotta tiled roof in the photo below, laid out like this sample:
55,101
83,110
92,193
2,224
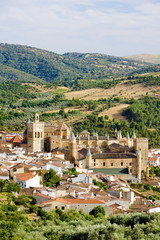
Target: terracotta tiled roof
2,167
2,173
20,165
86,201
58,200
16,139
43,195
153,159
26,176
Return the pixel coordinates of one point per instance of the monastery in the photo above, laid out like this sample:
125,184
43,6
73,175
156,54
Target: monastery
86,151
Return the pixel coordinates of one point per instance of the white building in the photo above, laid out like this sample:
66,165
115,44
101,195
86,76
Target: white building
26,180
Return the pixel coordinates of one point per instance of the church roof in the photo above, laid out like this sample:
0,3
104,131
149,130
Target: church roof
113,155
62,126
72,136
88,153
16,139
128,137
85,132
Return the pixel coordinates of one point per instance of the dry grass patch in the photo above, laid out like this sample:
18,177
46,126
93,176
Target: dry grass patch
115,112
42,89
121,90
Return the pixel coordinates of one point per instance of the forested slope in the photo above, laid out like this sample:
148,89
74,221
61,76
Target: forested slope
52,67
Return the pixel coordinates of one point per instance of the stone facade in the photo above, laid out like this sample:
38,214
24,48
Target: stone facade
41,136
107,151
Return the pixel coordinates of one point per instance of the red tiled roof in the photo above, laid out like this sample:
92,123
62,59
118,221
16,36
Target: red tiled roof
16,139
58,200
26,176
2,167
86,201
153,159
76,201
43,195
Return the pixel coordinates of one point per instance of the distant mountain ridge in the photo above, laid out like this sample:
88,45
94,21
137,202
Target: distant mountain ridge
148,58
52,67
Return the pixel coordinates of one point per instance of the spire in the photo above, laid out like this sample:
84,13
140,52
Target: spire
72,136
120,134
88,153
134,134
128,137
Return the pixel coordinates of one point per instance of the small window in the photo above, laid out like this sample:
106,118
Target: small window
104,164
38,134
35,134
121,163
62,207
130,170
56,207
130,164
111,164
94,160
94,164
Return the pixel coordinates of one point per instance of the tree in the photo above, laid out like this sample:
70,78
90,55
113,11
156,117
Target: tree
13,187
98,211
2,184
51,178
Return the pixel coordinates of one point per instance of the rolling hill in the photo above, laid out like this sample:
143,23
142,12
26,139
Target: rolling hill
149,58
60,69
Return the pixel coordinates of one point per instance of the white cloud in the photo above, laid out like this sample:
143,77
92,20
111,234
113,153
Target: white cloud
119,27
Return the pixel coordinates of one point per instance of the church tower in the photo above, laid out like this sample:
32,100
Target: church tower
72,148
139,164
35,135
142,144
88,159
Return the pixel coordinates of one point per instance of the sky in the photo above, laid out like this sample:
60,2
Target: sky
113,27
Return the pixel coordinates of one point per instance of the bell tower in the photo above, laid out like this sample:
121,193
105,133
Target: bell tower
35,132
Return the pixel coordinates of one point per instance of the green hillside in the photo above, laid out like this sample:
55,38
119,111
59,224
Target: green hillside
150,70
9,73
62,69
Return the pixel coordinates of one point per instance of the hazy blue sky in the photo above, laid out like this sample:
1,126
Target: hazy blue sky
117,27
